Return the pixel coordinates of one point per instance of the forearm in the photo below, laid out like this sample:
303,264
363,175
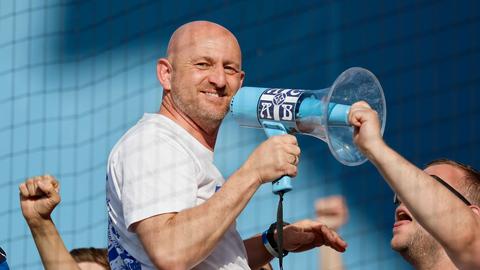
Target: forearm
258,255
330,259
188,237
50,245
452,224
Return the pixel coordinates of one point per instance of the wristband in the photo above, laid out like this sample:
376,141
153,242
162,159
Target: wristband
270,240
267,245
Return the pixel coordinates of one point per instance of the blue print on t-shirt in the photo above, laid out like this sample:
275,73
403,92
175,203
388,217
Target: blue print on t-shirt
118,257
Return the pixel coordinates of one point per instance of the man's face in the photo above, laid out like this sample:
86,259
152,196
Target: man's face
411,239
206,74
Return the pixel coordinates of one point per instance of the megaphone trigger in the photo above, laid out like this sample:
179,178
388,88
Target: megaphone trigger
283,184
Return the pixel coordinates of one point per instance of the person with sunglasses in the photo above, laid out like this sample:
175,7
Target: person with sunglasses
437,219
3,260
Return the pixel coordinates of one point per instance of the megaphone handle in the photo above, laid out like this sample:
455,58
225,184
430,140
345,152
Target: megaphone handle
338,114
284,183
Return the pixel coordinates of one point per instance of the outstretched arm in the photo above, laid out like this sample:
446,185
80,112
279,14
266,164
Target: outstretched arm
38,197
453,224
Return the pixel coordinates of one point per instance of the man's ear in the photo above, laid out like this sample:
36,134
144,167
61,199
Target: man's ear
475,209
242,77
164,73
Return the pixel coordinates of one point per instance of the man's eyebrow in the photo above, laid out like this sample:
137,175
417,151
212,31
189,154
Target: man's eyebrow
206,58
211,60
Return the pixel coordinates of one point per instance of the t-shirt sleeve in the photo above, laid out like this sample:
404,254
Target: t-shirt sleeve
159,176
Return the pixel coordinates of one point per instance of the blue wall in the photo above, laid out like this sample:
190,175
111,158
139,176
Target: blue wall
75,75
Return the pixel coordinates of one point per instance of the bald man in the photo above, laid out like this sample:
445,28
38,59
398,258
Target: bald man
168,205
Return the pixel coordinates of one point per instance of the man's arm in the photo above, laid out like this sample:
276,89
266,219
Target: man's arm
333,212
258,256
453,224
184,239
298,237
38,197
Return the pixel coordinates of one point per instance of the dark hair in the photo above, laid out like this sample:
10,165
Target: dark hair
94,255
470,185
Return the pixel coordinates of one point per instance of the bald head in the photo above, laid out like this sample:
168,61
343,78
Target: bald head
201,74
191,34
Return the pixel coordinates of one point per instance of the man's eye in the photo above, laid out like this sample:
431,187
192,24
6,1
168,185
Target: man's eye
202,65
230,70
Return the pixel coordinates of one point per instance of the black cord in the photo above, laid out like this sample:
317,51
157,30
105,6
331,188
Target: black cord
280,229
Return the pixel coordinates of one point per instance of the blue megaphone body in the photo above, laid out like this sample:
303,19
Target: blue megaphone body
320,113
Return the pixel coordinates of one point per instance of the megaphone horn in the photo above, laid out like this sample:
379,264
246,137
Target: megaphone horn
319,113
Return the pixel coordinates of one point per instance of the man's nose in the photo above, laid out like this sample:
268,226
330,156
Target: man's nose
218,77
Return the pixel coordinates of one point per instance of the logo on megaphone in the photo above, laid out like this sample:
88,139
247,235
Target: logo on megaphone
319,113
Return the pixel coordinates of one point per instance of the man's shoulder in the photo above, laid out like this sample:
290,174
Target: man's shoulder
152,130
150,126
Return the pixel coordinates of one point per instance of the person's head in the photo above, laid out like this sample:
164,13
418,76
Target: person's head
411,240
202,72
91,258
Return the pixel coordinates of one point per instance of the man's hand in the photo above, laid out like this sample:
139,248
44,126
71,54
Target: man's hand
367,133
332,211
274,158
308,234
38,197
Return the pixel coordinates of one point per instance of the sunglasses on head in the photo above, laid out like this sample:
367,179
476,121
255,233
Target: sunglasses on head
396,201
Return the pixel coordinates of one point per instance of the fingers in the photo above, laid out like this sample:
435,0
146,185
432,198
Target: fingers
294,160
332,239
276,157
289,139
332,205
360,104
287,154
291,155
23,190
45,185
359,113
48,185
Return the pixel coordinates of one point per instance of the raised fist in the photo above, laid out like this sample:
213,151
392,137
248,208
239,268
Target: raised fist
38,197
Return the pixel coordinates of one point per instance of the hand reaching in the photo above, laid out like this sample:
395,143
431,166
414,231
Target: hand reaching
38,197
308,234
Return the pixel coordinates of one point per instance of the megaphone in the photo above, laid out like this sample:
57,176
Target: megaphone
319,113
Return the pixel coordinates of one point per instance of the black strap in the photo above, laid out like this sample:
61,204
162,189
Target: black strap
280,229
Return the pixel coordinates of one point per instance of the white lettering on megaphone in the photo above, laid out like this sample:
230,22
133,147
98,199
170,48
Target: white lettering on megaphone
294,92
273,91
287,112
265,108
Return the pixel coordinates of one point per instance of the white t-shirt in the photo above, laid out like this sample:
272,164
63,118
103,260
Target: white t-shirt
158,167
